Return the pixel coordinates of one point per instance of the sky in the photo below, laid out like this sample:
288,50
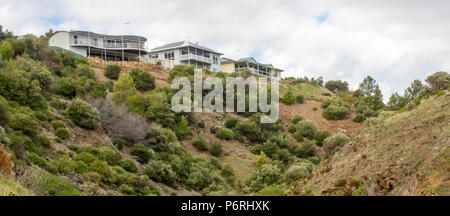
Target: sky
391,40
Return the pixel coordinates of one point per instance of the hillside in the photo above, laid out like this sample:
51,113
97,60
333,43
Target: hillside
406,154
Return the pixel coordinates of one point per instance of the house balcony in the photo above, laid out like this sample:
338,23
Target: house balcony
112,46
257,72
187,57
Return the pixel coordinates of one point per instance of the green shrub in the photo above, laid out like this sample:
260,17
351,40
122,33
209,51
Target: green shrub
6,50
35,159
359,118
321,136
231,122
200,143
216,148
201,124
85,70
224,134
44,141
335,142
298,136
68,59
314,108
65,86
62,133
183,130
46,184
263,176
306,129
27,123
142,79
292,129
272,190
128,165
299,99
112,71
249,129
119,143
200,176
228,173
288,98
58,124
335,112
82,114
143,153
295,173
297,118
160,172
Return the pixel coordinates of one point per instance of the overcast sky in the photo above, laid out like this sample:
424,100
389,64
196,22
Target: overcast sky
393,41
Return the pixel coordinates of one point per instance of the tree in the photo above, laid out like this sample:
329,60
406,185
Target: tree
5,34
414,90
6,51
82,114
367,86
142,79
123,89
338,85
439,80
396,101
183,129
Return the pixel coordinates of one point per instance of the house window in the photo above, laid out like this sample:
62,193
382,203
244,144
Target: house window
169,55
215,60
75,39
184,52
95,42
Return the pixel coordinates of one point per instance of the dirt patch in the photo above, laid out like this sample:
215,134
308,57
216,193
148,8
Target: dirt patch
159,72
287,112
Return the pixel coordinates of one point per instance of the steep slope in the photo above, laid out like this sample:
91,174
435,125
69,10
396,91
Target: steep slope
407,154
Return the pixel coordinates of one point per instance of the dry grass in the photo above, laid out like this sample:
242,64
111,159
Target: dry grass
407,154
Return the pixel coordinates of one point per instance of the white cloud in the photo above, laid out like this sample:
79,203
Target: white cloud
393,41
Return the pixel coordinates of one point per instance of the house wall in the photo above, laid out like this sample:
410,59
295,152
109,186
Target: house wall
227,67
60,39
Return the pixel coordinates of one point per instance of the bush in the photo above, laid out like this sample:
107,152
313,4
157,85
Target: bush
82,114
160,172
112,71
119,143
295,173
337,85
124,88
183,130
299,99
231,122
201,124
335,112
314,108
200,143
142,79
44,141
273,190
128,165
288,98
262,177
65,86
225,134
292,129
335,142
216,148
321,136
58,124
85,70
68,59
62,133
143,153
27,123
6,51
58,104
306,129
297,118
249,129
359,118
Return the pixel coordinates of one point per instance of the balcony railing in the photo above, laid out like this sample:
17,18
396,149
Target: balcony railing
195,57
129,45
256,72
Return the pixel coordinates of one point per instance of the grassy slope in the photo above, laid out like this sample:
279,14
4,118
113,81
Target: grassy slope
8,187
407,154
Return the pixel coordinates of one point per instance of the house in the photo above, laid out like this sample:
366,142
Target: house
188,53
107,47
267,70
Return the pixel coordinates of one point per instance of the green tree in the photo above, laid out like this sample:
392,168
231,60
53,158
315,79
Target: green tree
439,80
123,89
396,101
142,79
183,130
337,85
82,114
367,86
6,51
414,90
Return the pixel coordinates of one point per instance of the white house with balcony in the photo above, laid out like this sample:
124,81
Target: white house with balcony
108,47
236,66
187,53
